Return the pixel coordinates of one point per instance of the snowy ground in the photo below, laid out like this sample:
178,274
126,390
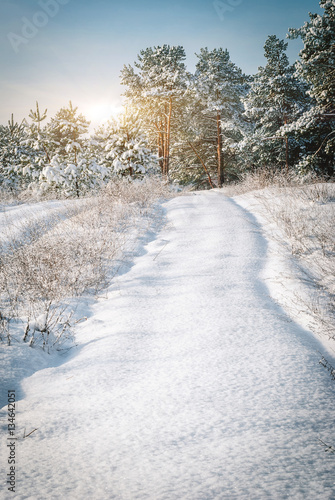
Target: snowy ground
188,382
298,223
14,217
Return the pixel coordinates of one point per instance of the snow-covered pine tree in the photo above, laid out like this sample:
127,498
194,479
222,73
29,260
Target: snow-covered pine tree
194,153
317,67
73,167
99,139
156,87
67,127
127,147
276,98
221,85
13,153
37,142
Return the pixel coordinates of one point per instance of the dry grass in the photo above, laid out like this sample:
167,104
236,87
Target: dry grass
267,177
52,261
303,209
306,217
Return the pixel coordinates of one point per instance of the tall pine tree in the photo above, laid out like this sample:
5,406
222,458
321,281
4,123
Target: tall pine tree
317,67
276,98
221,85
156,88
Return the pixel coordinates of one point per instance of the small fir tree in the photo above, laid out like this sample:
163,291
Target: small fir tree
127,147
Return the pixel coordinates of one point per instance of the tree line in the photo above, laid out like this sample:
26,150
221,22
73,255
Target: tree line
204,128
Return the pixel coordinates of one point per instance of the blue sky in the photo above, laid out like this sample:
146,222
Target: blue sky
54,51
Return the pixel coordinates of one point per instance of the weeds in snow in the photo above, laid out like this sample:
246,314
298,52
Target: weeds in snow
264,178
303,210
325,363
29,434
44,264
306,218
327,447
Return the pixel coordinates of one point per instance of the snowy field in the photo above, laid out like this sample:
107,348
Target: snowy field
14,217
188,381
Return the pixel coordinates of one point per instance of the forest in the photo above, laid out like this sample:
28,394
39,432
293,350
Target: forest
203,129
167,279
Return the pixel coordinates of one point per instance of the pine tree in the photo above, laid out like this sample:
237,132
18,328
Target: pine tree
156,90
66,131
99,139
73,167
37,141
127,147
276,98
194,154
13,152
221,85
316,66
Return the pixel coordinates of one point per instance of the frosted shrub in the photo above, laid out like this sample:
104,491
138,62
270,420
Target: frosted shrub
52,262
305,216
266,177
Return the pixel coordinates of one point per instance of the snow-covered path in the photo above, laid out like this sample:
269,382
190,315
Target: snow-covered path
189,382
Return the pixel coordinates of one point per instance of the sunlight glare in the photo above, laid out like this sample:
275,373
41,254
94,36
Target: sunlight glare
102,112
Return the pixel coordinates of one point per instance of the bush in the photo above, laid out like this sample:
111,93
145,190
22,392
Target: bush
45,263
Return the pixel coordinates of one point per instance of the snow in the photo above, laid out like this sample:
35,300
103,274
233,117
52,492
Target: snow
15,219
290,279
188,381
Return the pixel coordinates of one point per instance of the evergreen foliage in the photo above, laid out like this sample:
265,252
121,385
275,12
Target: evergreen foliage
202,129
127,148
156,90
276,98
13,153
316,66
73,167
220,86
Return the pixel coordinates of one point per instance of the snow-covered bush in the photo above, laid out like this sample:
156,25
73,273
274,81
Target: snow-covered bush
47,263
127,148
13,152
73,178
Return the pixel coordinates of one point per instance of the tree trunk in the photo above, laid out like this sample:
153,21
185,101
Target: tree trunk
202,163
167,138
219,151
160,143
286,146
77,189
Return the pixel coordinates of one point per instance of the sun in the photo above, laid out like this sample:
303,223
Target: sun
99,113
